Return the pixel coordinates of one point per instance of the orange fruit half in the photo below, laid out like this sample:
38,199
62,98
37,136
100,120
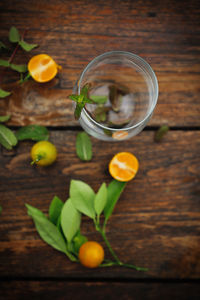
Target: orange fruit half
123,166
42,67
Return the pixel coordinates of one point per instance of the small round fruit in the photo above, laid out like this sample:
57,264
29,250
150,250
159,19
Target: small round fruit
42,68
123,166
91,254
43,153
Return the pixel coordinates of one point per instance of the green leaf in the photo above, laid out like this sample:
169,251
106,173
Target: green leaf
0,210
4,94
78,241
100,199
33,211
70,220
7,137
2,45
115,188
74,97
85,90
19,68
14,35
33,132
82,197
78,109
4,63
26,46
55,209
160,133
48,231
4,118
83,146
99,99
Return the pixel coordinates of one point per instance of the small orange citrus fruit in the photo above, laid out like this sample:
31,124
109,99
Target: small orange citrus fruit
42,67
91,254
123,166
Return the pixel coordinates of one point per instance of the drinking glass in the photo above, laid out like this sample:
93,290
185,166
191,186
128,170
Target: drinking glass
131,89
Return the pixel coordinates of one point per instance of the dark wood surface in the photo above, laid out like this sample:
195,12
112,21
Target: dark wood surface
156,223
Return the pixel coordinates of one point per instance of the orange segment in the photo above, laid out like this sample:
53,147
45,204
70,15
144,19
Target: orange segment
123,166
42,67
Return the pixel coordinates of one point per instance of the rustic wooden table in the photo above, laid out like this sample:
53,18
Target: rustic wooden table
156,223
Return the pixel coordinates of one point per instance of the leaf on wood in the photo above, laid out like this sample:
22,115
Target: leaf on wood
70,220
83,146
82,197
19,68
26,46
14,36
55,209
4,63
115,188
5,118
160,133
4,94
33,132
100,199
48,231
7,137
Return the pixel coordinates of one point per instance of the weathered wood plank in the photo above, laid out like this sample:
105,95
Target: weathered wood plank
98,290
74,32
155,224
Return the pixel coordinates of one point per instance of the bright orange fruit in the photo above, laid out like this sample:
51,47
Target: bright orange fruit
42,67
91,254
123,166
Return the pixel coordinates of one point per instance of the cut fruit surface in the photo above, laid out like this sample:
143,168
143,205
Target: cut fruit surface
123,166
42,67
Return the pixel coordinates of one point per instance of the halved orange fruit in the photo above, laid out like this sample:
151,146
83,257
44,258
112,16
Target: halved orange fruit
123,166
42,67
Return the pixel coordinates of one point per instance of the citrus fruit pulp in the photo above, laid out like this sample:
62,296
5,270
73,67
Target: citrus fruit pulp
42,68
123,166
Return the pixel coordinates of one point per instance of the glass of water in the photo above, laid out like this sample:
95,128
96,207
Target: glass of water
125,90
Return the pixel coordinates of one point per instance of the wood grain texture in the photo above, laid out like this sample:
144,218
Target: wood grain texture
98,290
166,34
156,223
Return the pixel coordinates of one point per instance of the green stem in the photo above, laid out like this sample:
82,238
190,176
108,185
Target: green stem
117,262
103,234
134,267
38,158
22,80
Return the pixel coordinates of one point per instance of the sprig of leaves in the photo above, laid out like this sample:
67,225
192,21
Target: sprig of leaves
61,229
81,100
15,37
